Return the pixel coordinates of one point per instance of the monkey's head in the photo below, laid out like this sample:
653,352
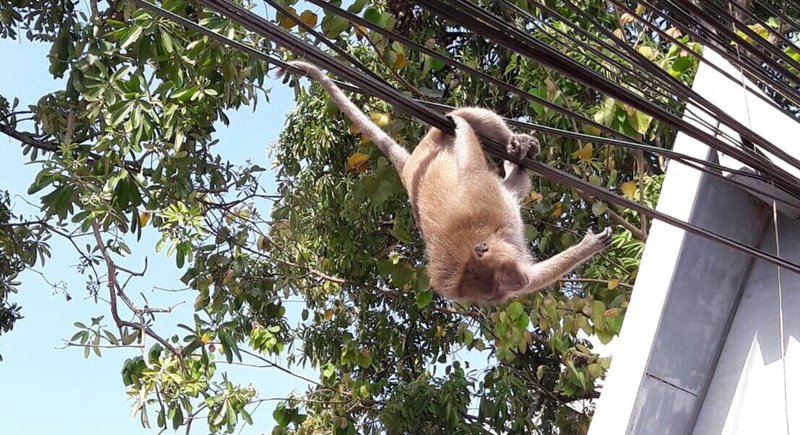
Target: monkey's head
492,272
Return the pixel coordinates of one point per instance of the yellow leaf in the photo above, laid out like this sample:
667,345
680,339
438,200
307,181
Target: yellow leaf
328,314
364,139
401,61
353,129
536,196
144,218
357,163
309,18
584,153
674,32
552,89
361,31
381,119
628,189
591,129
619,34
647,52
613,283
557,211
285,21
625,18
205,338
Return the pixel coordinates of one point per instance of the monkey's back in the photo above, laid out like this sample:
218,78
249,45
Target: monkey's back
455,208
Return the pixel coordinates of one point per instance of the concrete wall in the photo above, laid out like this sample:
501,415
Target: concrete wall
676,367
747,390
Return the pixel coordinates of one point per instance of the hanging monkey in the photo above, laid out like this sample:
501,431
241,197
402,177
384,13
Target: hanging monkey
469,217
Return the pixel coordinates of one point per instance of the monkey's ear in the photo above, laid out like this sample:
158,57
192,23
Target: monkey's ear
481,248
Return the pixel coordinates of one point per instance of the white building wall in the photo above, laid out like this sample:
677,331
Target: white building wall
699,351
746,395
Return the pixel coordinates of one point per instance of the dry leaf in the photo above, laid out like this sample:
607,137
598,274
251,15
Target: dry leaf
309,18
628,189
381,119
357,163
584,153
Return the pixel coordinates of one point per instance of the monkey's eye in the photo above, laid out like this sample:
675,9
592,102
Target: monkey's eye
480,249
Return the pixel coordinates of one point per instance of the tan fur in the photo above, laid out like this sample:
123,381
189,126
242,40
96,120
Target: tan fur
469,217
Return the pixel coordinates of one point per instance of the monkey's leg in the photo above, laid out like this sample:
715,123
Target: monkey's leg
517,180
486,124
490,125
467,147
544,273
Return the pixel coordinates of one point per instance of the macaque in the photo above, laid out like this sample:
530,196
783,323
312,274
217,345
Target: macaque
469,217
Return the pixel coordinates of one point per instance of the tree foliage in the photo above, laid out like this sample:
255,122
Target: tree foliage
129,146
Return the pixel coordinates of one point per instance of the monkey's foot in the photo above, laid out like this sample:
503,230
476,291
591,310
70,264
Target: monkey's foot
598,241
522,145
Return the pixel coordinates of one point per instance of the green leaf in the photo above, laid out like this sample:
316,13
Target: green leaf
332,26
598,208
357,6
131,35
515,310
424,298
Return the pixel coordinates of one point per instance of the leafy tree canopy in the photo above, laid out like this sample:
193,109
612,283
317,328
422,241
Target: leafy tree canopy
129,146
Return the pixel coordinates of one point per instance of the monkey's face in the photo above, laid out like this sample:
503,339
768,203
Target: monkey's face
493,273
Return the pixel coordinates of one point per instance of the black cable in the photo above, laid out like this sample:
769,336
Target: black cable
793,25
338,50
503,85
478,20
692,162
680,88
247,19
764,25
678,157
685,22
758,43
455,64
641,80
700,58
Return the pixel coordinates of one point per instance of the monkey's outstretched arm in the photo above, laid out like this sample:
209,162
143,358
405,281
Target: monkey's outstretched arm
544,273
396,154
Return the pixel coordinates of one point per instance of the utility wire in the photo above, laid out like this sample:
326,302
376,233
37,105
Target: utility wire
478,20
681,158
251,21
686,22
793,25
680,88
655,28
647,68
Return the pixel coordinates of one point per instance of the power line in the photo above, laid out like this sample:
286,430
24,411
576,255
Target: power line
263,27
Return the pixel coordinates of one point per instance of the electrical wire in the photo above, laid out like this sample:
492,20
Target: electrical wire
263,27
478,20
696,163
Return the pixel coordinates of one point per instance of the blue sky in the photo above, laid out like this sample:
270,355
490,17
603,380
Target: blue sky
51,390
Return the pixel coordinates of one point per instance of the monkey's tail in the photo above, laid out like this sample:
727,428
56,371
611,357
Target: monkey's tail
396,153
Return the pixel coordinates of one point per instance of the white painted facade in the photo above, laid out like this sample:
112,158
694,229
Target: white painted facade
699,352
